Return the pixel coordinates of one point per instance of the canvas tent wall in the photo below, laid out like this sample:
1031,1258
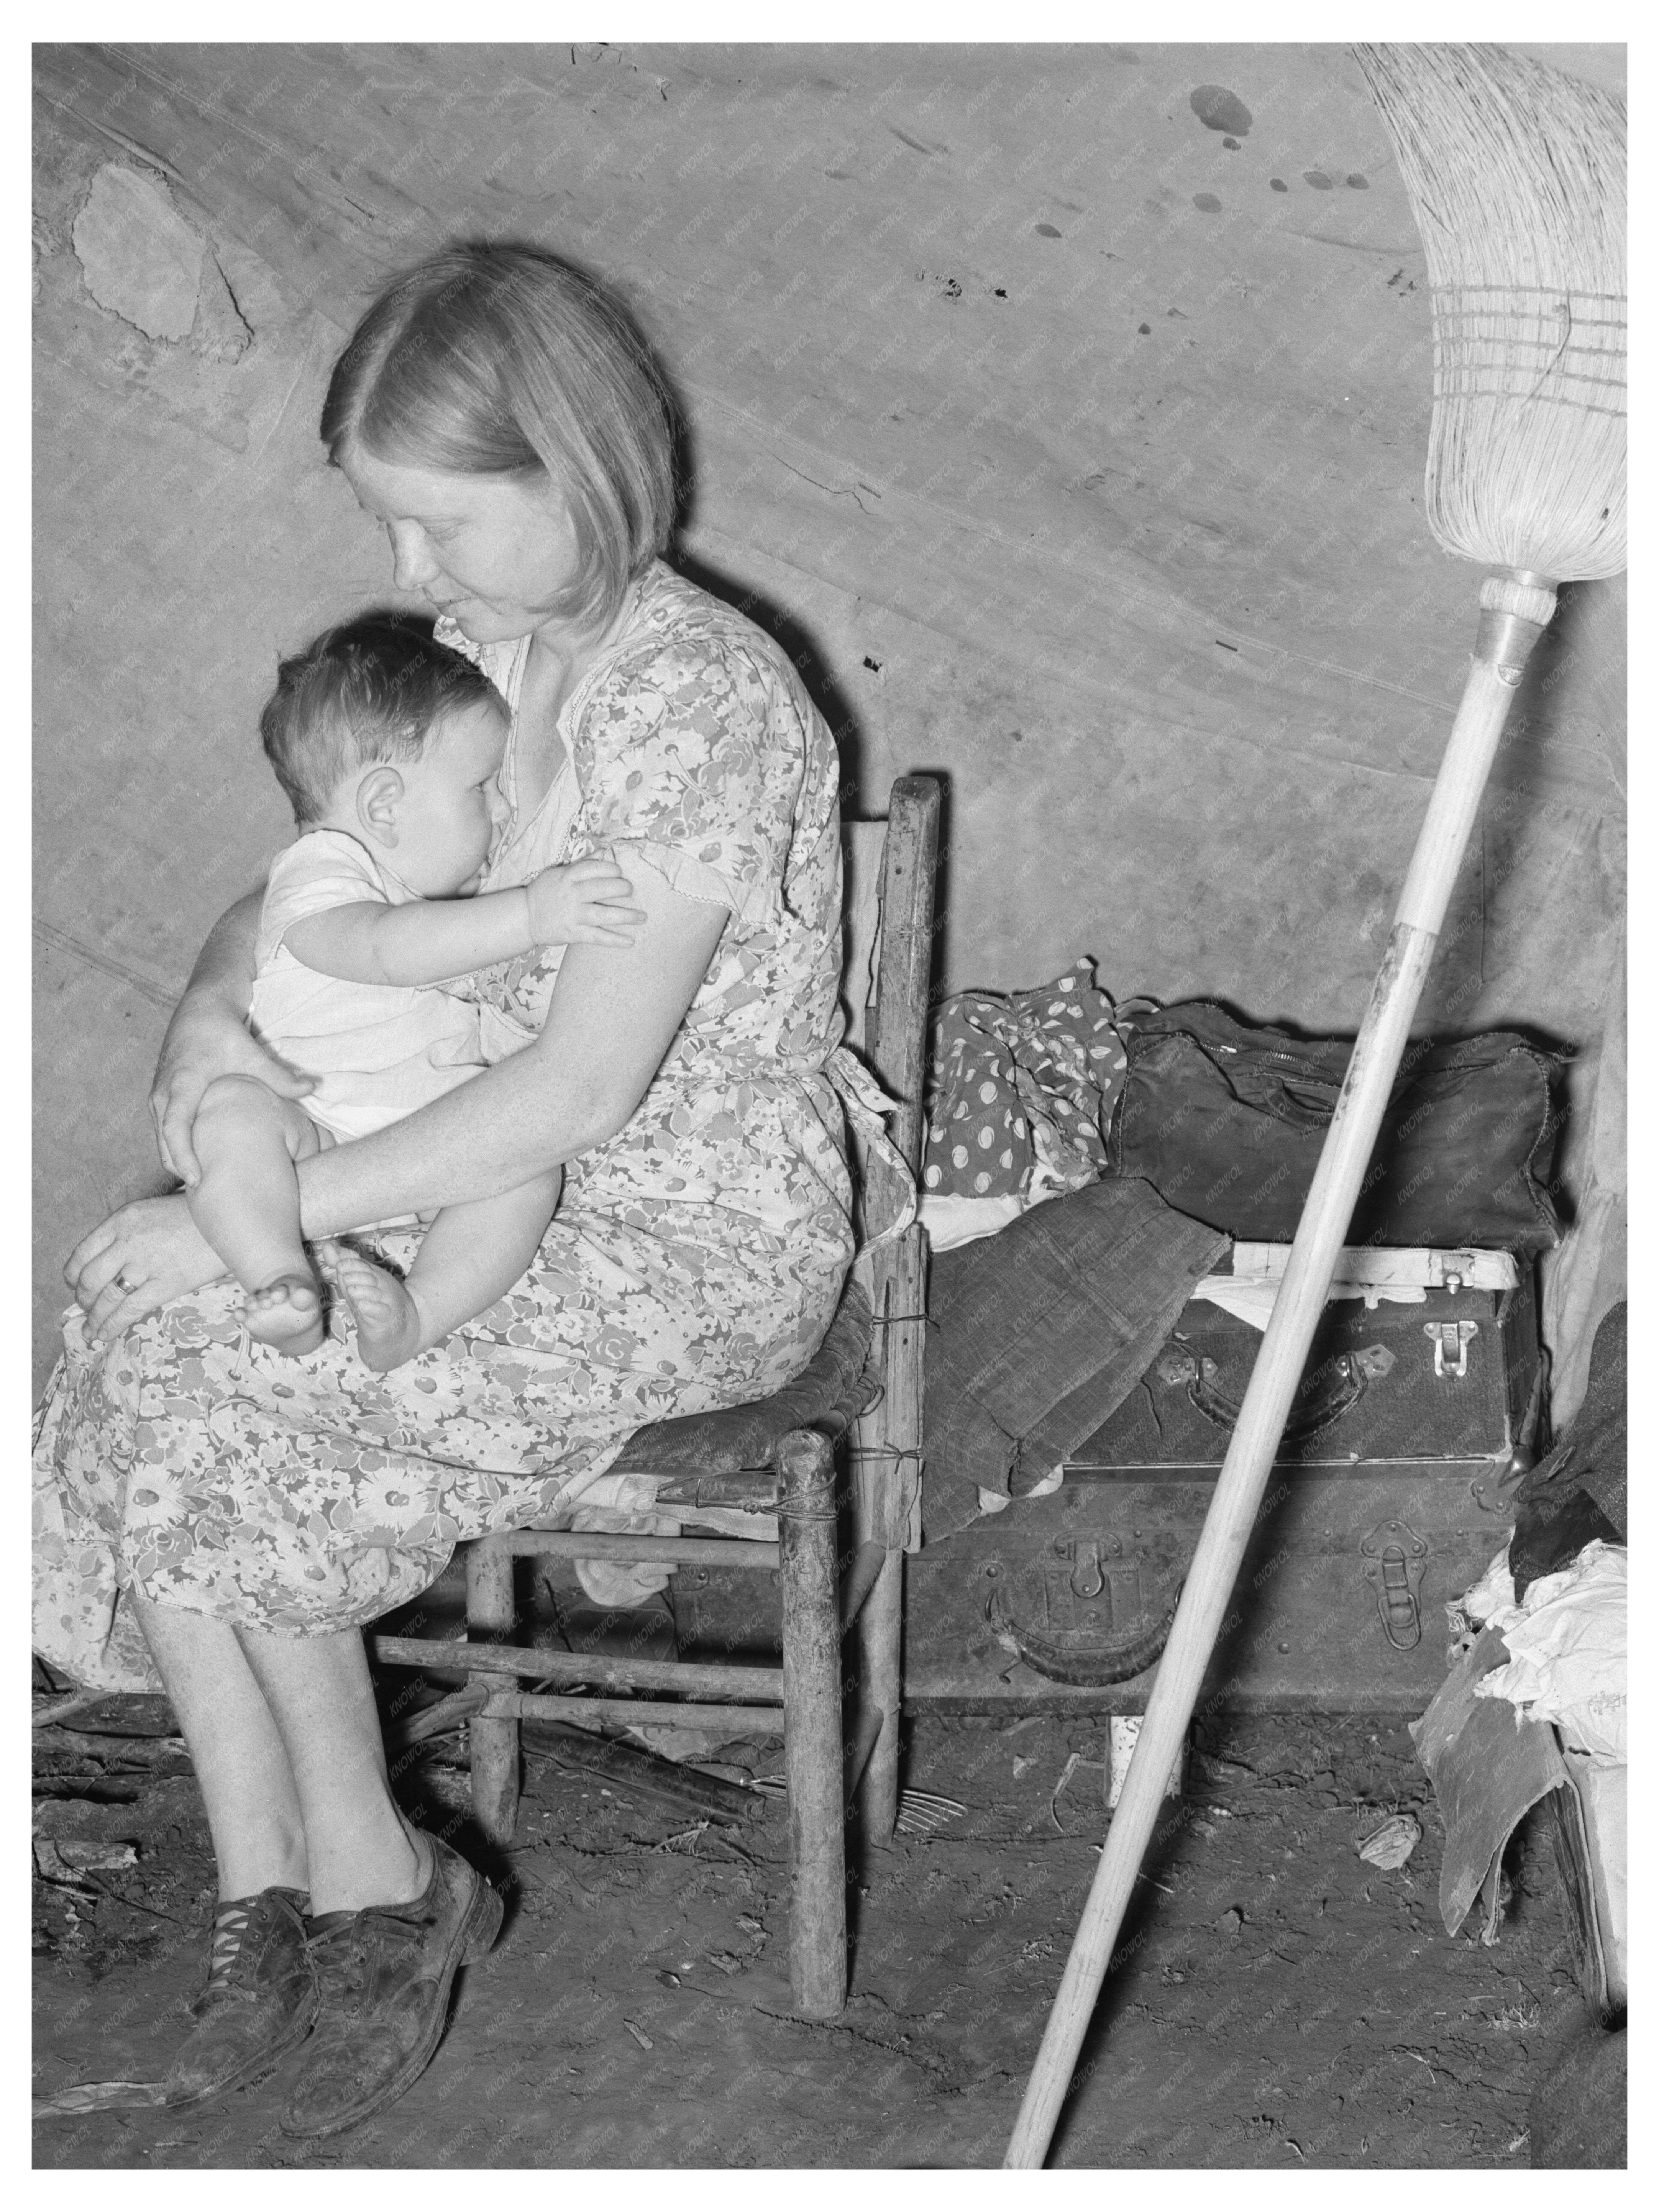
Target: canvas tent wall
1063,409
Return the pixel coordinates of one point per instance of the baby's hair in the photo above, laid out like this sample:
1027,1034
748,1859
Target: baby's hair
364,691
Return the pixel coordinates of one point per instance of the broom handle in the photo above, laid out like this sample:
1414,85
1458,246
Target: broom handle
1515,609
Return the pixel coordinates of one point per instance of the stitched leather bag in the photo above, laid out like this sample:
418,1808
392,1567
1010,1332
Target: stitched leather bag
1227,1122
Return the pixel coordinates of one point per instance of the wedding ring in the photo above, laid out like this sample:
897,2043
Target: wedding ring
123,1282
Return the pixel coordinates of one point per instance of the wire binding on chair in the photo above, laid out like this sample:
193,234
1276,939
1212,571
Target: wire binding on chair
805,1506
897,1456
910,1487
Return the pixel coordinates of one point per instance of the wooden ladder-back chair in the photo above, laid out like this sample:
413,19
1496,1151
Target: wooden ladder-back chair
777,1456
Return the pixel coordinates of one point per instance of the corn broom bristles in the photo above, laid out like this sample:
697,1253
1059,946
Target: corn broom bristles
1516,174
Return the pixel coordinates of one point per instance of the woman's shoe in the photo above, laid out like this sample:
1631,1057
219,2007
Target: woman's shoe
384,1976
260,1998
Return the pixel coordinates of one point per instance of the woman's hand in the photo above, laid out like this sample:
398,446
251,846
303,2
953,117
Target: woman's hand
205,1040
134,1263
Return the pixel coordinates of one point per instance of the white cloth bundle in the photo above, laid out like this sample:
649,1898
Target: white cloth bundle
1567,1642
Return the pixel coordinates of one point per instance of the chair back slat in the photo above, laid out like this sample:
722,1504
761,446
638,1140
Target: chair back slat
863,844
897,1035
896,1047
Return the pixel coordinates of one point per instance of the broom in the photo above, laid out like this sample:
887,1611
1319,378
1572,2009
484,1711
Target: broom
1516,178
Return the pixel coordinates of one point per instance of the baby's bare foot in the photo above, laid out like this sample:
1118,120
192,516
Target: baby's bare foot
388,1320
286,1313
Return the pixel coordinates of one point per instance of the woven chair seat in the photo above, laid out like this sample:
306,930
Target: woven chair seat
829,1394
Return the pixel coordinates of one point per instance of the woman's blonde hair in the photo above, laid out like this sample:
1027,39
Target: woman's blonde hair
503,361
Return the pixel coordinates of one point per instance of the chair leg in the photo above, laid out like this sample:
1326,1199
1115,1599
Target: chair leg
878,1519
495,1744
877,1632
812,1701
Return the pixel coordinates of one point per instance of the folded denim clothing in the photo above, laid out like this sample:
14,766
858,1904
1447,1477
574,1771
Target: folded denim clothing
1035,1336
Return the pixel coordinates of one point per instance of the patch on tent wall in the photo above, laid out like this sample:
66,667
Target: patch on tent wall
1218,109
143,261
140,258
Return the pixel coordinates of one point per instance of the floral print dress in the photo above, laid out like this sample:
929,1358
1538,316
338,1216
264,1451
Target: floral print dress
695,1260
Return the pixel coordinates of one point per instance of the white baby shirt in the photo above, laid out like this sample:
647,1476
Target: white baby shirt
378,1051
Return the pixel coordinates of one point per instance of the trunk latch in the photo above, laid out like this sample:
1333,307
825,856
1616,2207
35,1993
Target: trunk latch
1395,1556
1451,1340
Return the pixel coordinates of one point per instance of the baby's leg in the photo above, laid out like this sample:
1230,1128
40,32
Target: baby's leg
247,1205
472,1255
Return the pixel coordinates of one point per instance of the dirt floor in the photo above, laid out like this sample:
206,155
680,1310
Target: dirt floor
1280,2002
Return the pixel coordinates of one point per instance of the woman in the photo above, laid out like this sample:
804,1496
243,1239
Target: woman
496,414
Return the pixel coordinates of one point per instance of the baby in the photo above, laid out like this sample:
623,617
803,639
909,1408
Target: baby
388,745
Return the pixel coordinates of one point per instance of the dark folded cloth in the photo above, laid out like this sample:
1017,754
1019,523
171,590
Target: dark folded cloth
1036,1335
828,1394
1579,1491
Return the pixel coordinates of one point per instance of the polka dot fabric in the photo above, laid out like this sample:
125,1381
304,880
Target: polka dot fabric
1020,1087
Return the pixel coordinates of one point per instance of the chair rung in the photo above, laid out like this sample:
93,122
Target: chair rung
672,1551
746,1490
734,1720
695,1679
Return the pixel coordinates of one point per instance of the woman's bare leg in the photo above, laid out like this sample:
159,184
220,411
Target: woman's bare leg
240,1760
359,1849
286,1744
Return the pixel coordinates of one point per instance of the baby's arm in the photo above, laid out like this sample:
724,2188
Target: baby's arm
430,939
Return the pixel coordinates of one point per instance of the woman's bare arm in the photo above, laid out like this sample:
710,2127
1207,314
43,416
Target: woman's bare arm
613,1015
208,1036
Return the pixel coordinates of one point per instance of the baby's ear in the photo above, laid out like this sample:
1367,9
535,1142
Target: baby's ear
378,797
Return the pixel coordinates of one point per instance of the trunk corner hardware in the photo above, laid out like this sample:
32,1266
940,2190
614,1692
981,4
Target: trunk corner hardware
1495,1492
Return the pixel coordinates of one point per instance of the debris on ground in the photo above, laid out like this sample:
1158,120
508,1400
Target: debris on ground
1393,1844
99,2097
620,1911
